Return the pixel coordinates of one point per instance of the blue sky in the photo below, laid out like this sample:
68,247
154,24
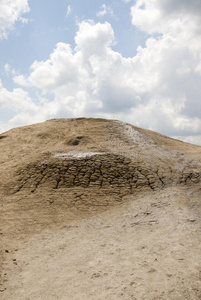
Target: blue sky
137,61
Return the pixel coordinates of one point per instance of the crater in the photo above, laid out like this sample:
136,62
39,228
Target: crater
77,140
3,137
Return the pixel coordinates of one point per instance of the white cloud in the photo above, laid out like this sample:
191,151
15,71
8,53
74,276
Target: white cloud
174,55
9,70
159,88
167,16
10,12
16,100
69,10
105,10
21,80
22,109
94,38
57,71
24,20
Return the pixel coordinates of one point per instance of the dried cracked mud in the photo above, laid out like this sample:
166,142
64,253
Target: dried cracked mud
99,209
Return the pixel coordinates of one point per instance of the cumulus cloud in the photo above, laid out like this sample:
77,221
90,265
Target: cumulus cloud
159,88
23,110
16,100
93,78
174,56
166,16
10,12
20,80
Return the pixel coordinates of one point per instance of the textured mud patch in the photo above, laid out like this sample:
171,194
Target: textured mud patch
89,170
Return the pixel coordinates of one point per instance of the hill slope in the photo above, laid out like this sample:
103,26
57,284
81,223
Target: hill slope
109,202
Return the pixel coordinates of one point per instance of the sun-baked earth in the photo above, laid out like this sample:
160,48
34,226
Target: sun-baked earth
99,209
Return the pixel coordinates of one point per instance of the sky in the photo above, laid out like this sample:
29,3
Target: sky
135,61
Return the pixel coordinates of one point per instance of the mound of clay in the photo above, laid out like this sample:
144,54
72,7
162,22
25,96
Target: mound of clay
116,207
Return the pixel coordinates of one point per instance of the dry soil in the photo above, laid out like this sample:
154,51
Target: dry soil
99,209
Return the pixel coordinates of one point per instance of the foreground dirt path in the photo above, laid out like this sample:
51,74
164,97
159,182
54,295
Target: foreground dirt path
147,248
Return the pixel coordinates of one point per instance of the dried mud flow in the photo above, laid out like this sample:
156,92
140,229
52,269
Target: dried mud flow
99,209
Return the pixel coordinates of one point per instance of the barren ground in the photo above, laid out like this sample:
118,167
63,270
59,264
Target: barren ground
99,209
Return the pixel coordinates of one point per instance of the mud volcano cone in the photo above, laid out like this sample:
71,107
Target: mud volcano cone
115,207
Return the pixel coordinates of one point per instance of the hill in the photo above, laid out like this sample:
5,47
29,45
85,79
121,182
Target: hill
99,209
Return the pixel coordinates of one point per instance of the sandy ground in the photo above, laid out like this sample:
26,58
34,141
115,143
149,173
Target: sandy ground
146,248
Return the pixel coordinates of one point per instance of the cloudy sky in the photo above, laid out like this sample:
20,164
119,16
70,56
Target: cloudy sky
136,61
